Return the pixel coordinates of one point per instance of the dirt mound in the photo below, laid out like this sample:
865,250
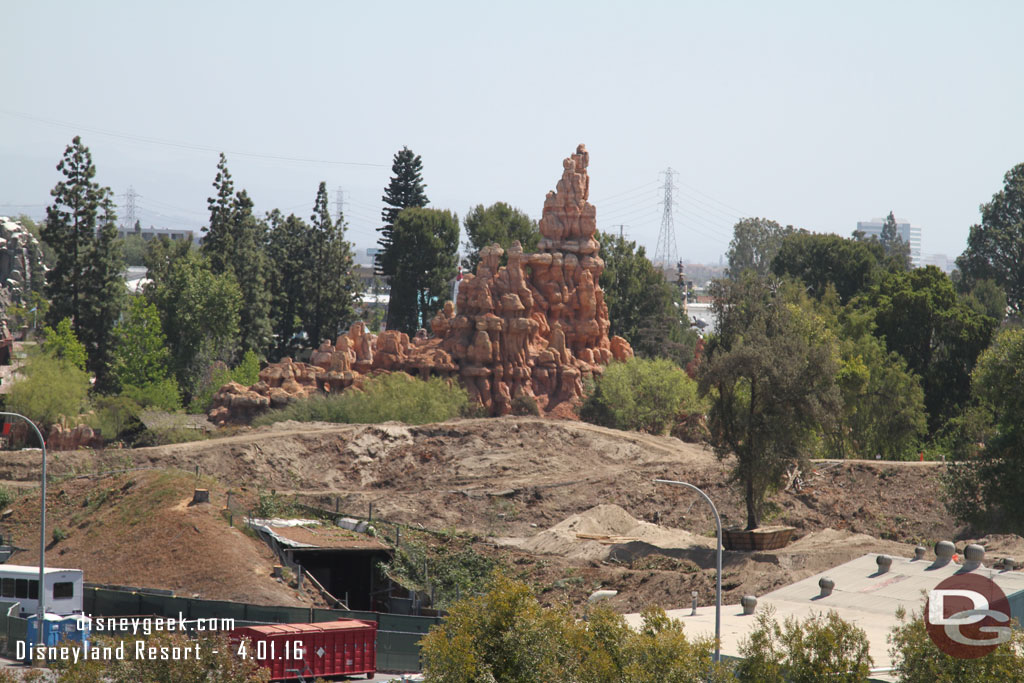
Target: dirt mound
138,529
593,534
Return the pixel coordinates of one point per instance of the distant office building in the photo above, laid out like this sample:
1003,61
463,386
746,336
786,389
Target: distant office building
151,232
907,232
940,261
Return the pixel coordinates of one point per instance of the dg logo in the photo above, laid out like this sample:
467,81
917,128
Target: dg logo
967,616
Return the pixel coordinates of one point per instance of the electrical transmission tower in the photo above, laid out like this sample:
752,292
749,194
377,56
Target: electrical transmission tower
666,254
339,204
129,209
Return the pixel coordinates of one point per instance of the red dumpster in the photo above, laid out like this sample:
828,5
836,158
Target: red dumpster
328,648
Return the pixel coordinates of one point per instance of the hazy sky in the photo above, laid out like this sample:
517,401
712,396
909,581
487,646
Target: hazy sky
817,114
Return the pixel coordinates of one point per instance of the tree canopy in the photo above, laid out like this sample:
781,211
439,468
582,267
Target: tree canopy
995,247
425,256
755,241
644,308
499,224
332,288
823,260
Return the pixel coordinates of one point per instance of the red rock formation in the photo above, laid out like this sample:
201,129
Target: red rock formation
535,327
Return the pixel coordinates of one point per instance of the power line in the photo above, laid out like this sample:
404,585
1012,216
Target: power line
183,145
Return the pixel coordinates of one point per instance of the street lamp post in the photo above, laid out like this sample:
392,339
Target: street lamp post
718,564
40,593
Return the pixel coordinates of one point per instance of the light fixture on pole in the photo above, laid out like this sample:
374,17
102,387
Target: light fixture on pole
41,594
718,564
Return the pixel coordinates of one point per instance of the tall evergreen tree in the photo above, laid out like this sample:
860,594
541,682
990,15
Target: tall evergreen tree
234,243
426,258
333,287
405,190
896,250
85,281
218,240
288,252
248,262
105,296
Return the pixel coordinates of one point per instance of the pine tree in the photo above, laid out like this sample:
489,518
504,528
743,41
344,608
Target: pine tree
85,283
69,229
288,253
234,243
406,189
333,287
896,249
105,296
248,262
218,241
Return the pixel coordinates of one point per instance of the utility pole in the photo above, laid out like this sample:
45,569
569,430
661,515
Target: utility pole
622,228
666,254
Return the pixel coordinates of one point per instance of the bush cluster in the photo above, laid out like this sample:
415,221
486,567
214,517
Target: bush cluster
641,394
395,396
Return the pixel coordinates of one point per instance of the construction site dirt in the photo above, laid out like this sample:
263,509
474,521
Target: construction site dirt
570,506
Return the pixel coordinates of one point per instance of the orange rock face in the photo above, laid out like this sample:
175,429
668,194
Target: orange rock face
535,327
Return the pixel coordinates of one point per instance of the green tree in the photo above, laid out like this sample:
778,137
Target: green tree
235,242
219,236
425,255
641,394
62,343
644,308
917,660
405,190
822,260
772,385
142,359
52,387
498,224
821,648
288,251
134,248
986,483
199,312
333,288
896,250
106,295
921,318
995,247
84,283
755,241
883,403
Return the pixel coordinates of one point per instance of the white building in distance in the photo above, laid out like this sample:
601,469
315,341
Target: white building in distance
907,232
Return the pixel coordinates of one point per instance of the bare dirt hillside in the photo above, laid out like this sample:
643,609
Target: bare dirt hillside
514,478
138,529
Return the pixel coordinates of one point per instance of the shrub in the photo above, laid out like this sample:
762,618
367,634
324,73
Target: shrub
641,394
52,387
505,635
163,394
821,648
60,534
395,396
525,405
115,416
62,343
917,660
